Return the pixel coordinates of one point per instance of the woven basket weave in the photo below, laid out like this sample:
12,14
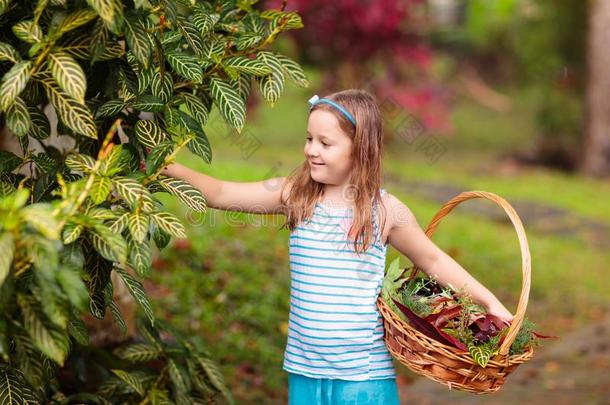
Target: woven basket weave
446,364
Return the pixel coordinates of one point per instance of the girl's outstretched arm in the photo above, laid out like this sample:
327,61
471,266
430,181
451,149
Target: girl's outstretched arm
259,197
406,236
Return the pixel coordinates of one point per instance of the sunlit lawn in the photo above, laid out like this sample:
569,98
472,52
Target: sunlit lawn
230,288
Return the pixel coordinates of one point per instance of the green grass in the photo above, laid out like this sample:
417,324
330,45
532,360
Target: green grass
230,289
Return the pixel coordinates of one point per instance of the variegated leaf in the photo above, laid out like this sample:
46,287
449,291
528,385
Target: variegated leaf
40,128
138,40
18,118
7,52
140,256
75,115
138,223
293,70
191,34
169,223
7,250
27,31
231,106
137,352
246,65
272,85
80,162
100,189
191,196
148,102
69,75
13,83
111,12
137,291
133,192
110,109
149,133
75,20
185,65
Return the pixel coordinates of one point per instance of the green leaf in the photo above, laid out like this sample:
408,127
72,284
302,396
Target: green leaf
27,31
78,330
480,353
169,223
110,11
140,256
69,75
247,65
18,118
130,380
75,20
189,195
191,34
138,40
7,52
14,389
13,83
196,108
110,109
100,189
40,216
137,223
71,232
272,85
118,318
214,375
80,162
247,40
137,291
149,133
185,65
138,352
157,156
203,20
48,340
40,127
121,222
293,70
133,192
200,146
231,106
162,86
75,115
148,103
110,245
7,250
179,379
9,161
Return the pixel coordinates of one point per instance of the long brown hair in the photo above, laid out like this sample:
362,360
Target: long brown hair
365,177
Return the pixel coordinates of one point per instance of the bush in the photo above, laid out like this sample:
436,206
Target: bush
129,81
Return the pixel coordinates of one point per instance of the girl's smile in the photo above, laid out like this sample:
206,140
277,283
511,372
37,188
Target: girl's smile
327,147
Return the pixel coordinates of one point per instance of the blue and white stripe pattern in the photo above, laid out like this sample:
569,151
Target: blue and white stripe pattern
334,327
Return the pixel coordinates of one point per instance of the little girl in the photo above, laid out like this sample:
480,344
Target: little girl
341,223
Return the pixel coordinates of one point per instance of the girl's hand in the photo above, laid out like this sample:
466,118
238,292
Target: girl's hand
501,312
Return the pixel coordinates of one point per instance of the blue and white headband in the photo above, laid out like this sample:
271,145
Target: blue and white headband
317,100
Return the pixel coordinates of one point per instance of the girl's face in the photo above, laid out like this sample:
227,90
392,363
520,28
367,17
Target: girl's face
328,145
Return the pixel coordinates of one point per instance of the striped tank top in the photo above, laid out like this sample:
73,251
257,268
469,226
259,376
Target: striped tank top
334,327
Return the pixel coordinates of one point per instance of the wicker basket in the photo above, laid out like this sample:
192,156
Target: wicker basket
446,364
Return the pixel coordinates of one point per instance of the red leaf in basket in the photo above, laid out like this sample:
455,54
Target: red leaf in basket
538,335
428,329
439,319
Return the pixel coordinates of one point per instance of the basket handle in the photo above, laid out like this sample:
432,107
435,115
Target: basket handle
525,254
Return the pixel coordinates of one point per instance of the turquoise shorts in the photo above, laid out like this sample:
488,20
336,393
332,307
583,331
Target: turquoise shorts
304,390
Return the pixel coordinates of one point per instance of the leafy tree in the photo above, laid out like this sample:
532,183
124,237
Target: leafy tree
129,82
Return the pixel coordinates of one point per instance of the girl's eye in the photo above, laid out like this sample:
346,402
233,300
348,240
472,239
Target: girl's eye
325,144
